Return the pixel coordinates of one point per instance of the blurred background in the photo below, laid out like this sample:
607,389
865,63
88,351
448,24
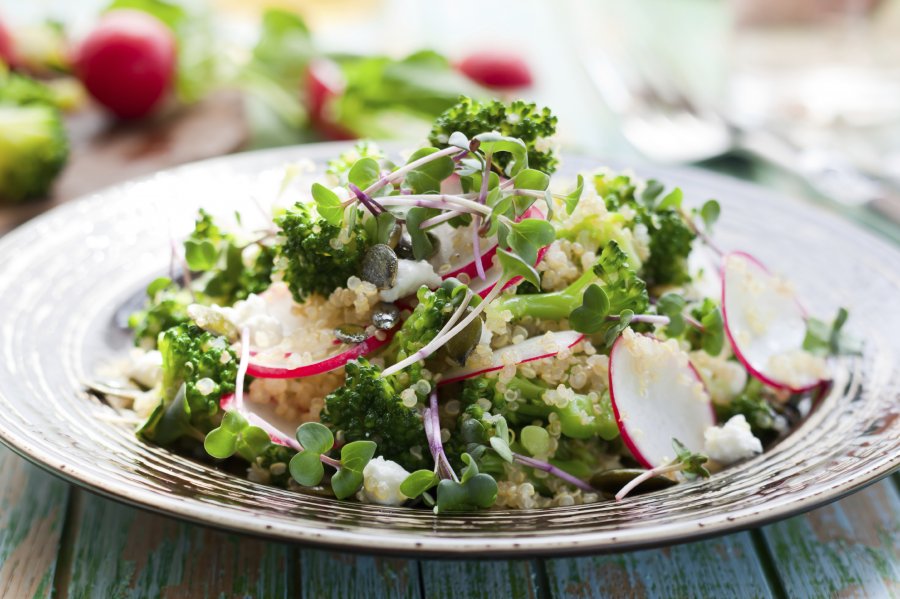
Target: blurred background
800,95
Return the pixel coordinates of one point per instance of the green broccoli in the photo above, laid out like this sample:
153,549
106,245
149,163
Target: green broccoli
625,290
670,236
521,402
518,119
33,143
318,260
198,369
368,407
166,308
430,315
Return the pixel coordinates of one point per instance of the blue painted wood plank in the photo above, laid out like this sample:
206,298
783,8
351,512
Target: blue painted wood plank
722,567
345,576
32,515
479,579
122,552
846,549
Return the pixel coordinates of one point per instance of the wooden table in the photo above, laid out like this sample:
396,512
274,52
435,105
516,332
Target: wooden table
58,540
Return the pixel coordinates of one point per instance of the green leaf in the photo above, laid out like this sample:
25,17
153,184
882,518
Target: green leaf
253,442
476,178
574,197
419,182
502,448
418,482
385,225
234,422
459,140
471,468
513,266
823,339
364,172
613,333
491,143
158,285
200,255
672,201
527,236
220,443
438,169
692,462
532,179
535,439
709,212
591,315
421,243
315,437
346,482
355,455
652,190
714,332
479,492
672,305
307,469
328,204
501,429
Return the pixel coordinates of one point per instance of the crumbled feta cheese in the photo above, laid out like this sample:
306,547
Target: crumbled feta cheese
144,367
381,482
732,442
411,275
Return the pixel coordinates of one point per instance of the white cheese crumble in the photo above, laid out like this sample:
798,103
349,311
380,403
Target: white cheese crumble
732,442
144,367
381,482
411,275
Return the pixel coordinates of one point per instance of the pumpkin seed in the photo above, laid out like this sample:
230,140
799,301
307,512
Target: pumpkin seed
379,266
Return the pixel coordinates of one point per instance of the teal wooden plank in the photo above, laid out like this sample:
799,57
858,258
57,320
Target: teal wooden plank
32,515
479,579
346,576
123,552
723,567
847,549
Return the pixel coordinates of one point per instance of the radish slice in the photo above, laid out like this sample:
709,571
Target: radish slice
448,255
766,326
656,396
263,416
545,346
285,371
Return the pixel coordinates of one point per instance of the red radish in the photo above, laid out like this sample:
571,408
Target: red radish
766,326
127,62
656,396
324,83
496,70
545,346
333,362
264,417
7,49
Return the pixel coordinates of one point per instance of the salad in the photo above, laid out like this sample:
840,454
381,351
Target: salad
461,330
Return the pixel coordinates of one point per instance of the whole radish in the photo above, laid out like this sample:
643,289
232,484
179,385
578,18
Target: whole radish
128,63
7,52
496,71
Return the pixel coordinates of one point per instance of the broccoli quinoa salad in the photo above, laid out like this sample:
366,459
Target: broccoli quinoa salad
459,330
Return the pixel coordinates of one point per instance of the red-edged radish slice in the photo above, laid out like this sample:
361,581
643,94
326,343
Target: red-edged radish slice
263,416
656,396
262,370
446,234
766,326
545,346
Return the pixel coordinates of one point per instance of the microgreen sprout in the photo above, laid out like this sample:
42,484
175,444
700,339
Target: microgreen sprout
306,467
686,461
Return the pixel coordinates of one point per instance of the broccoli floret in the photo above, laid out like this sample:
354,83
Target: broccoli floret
430,315
166,308
20,90
625,290
319,259
368,407
33,144
521,402
226,277
188,406
670,236
518,119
